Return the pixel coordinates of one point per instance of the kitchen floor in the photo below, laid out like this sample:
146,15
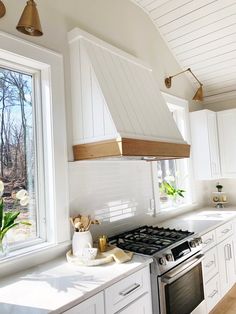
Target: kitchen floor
228,303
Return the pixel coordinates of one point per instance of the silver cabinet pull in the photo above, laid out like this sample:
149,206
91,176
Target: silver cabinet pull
230,251
210,264
130,289
225,231
213,294
226,252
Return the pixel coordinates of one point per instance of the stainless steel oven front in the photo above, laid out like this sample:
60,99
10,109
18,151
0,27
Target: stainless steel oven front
181,289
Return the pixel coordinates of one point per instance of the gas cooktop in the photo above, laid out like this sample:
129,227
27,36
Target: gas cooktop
148,240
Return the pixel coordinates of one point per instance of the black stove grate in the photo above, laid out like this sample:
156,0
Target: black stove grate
148,240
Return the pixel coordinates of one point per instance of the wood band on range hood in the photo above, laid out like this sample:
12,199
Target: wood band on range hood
131,148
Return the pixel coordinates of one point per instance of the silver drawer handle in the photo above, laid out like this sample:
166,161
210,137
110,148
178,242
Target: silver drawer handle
213,294
208,241
225,231
129,290
210,264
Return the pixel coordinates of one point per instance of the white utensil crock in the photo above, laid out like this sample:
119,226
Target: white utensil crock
80,241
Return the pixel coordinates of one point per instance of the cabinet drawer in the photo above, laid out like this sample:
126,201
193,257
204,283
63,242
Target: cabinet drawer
224,231
208,240
127,290
212,292
210,264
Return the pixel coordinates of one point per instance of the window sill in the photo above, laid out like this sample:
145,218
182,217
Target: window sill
24,258
171,212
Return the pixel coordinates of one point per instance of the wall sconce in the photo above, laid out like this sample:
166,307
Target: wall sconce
2,9
29,22
199,93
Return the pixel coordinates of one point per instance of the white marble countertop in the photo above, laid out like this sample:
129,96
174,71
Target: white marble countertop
56,286
201,221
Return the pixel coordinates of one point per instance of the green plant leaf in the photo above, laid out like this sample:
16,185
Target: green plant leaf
4,231
25,223
9,218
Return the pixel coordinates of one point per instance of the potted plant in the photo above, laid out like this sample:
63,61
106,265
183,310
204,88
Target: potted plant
8,218
171,191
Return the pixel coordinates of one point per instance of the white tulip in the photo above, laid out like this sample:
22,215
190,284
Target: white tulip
24,200
21,194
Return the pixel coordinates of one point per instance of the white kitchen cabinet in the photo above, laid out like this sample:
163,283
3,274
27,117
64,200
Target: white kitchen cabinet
140,306
212,292
129,295
227,270
227,142
205,147
93,305
126,292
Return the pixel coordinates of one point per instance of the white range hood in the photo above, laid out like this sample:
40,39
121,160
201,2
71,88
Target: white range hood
118,109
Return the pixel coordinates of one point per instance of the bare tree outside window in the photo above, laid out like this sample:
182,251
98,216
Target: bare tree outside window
17,146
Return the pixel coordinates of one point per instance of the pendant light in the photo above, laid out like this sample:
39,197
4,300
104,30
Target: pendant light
29,22
199,93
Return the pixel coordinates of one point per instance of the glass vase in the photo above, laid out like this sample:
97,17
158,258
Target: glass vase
3,247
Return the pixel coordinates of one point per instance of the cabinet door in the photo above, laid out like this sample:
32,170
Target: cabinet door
140,306
227,140
205,148
94,305
227,271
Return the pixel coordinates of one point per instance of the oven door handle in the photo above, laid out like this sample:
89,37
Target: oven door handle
182,269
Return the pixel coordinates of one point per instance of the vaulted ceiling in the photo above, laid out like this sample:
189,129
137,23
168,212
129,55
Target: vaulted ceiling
201,35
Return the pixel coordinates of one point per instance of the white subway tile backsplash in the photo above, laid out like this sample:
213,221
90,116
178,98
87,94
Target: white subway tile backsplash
117,193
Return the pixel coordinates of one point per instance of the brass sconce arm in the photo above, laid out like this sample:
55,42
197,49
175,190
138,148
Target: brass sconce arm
199,94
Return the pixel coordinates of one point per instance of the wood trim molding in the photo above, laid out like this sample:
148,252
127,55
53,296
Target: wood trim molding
131,147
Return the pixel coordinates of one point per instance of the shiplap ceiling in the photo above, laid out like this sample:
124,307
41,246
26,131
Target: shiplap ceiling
201,35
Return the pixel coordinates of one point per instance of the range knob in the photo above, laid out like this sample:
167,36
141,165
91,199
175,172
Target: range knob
162,261
192,243
169,257
198,241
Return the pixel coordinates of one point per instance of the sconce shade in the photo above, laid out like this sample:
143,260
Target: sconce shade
199,94
29,22
2,9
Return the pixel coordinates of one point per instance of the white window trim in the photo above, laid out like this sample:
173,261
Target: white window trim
179,102
50,65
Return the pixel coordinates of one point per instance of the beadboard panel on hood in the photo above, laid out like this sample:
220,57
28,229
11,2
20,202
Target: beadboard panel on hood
116,193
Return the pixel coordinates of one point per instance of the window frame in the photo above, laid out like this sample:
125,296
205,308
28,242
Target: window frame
183,105
51,82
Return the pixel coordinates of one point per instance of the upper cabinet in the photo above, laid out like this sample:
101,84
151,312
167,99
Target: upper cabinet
213,144
205,148
227,141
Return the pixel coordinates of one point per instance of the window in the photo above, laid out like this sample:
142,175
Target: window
173,177
18,162
33,152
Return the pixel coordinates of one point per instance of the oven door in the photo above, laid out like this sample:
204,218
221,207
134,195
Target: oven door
181,289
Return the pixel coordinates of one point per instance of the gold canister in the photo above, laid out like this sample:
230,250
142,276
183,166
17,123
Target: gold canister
102,243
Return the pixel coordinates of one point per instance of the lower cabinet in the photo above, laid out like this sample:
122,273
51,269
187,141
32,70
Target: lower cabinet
219,264
93,305
226,264
129,295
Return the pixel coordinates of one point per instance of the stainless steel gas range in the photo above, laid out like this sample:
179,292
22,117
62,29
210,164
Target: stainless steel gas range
176,271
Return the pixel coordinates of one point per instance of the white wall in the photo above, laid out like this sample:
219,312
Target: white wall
119,22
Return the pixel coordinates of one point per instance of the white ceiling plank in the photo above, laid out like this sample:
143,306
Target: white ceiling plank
156,4
217,67
220,89
211,61
184,51
209,55
202,22
169,7
197,15
185,12
212,31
